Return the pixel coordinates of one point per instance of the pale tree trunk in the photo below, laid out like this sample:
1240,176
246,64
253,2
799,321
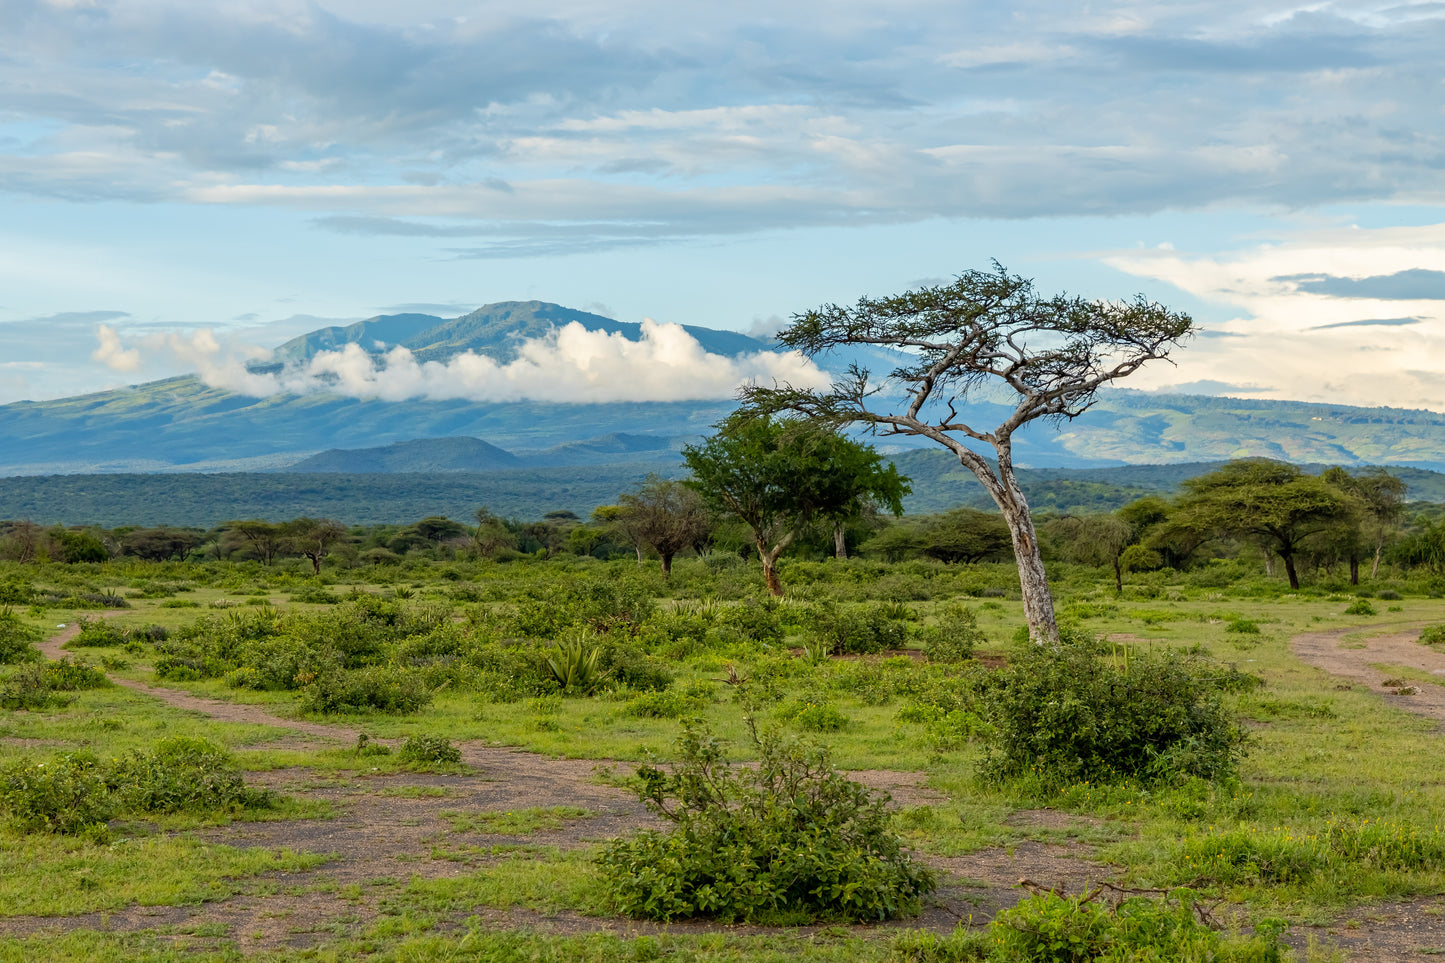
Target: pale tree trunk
1375,568
840,541
638,546
1033,580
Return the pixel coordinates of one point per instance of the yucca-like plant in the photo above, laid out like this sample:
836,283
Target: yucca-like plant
574,666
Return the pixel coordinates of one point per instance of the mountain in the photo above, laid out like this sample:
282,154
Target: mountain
420,455
182,424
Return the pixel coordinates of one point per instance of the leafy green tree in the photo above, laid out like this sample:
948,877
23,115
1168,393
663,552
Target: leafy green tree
665,515
1092,540
777,475
492,536
1271,503
160,544
1381,497
987,328
314,538
264,539
78,545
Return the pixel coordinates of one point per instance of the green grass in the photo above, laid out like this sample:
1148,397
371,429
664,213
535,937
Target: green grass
520,822
51,876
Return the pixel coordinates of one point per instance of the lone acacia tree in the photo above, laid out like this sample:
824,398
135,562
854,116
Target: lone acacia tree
986,328
665,515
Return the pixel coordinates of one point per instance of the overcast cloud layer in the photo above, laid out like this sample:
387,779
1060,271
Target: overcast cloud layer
418,145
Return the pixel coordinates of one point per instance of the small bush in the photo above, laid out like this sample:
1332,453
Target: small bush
1243,627
181,775
66,795
1072,713
1433,635
1389,595
1048,928
955,636
676,704
17,639
792,839
857,631
1360,607
373,689
422,750
98,633
70,675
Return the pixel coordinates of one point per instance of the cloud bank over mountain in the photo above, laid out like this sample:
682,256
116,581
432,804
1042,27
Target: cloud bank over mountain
571,364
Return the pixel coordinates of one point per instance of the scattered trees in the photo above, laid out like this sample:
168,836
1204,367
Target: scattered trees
988,328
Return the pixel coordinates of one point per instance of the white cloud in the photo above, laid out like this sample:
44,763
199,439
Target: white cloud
1306,345
572,364
112,354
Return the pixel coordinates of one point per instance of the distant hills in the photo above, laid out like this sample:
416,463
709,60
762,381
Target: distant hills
181,424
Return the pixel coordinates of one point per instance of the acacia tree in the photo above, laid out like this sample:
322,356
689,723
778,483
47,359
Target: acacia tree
985,329
1269,502
1382,500
778,476
314,538
665,515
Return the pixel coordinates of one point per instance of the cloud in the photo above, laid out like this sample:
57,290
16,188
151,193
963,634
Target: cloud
75,317
1414,284
571,364
611,126
112,354
1369,323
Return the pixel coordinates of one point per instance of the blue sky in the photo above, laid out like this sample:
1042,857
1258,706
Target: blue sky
257,169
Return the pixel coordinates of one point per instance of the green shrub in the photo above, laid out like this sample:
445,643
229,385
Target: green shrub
675,704
856,631
622,663
16,589
815,716
17,639
98,633
792,839
315,595
1072,713
69,674
423,750
1389,595
1048,928
955,636
28,688
573,666
1360,607
181,775
753,621
373,689
1243,627
1433,635
66,795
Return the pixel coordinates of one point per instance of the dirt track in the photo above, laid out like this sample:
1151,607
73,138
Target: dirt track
1354,659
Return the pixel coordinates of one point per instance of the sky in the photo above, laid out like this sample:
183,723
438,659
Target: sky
182,181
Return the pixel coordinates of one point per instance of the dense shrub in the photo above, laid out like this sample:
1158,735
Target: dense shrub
791,839
752,620
68,794
77,793
676,704
17,639
955,636
98,633
181,775
373,689
423,750
1360,607
1433,635
856,631
1073,713
1049,928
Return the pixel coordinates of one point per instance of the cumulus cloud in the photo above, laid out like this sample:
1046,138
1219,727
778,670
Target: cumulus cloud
112,354
571,364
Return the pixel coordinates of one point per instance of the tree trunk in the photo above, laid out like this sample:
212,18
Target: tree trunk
840,541
315,564
1375,568
1354,570
1289,570
1118,576
769,558
667,565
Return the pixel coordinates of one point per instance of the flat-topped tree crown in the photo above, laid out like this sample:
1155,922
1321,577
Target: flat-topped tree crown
985,327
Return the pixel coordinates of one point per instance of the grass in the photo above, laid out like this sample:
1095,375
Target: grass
1322,756
520,822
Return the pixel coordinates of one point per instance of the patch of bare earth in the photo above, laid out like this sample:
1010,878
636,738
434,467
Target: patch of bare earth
390,828
1354,659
